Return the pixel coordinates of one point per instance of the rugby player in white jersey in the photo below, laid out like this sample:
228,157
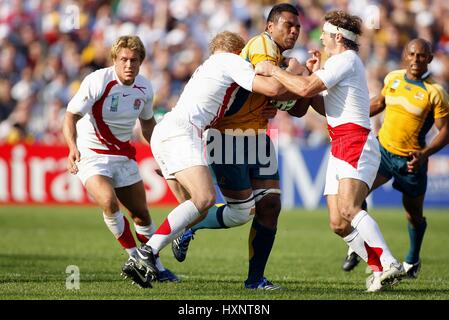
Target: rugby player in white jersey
177,142
355,156
97,127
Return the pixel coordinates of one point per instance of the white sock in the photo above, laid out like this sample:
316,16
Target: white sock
159,264
176,221
370,232
146,231
356,244
117,223
349,249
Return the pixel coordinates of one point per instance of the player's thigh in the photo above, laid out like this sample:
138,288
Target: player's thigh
101,189
176,148
178,190
379,181
386,168
351,194
265,184
337,222
412,184
232,178
197,180
266,165
133,198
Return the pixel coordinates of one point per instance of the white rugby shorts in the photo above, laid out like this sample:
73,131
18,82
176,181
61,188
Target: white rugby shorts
177,145
356,157
122,170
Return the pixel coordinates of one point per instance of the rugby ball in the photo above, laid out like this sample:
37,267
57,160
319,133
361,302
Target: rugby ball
283,105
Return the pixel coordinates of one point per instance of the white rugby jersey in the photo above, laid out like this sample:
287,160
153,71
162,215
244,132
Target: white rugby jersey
212,88
347,97
110,110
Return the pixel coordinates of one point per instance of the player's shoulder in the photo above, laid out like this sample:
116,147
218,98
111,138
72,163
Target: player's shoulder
100,77
434,88
258,39
102,73
225,57
395,74
432,83
261,44
144,83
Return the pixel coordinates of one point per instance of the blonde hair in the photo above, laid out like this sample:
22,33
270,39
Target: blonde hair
130,42
226,41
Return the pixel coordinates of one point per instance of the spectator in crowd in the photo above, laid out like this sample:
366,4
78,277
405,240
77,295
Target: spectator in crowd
49,44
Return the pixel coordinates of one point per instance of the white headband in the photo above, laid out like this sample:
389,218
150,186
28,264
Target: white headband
329,27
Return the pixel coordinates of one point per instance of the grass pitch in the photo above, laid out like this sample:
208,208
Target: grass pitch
38,243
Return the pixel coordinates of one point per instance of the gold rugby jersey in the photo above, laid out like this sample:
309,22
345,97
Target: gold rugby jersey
244,112
411,107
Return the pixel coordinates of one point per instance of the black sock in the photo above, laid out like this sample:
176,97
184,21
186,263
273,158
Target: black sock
261,241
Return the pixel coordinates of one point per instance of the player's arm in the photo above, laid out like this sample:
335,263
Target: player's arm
267,86
69,132
376,105
294,67
304,86
440,140
147,127
302,105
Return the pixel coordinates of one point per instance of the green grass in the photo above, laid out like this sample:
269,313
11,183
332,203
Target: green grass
38,243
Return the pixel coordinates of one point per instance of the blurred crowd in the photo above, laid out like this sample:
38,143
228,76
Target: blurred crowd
48,47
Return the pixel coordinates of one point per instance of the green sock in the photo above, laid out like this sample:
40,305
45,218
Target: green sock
416,236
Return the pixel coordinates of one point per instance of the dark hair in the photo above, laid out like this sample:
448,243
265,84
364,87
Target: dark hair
276,11
346,21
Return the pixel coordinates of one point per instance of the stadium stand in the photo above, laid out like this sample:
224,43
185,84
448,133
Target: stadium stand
47,47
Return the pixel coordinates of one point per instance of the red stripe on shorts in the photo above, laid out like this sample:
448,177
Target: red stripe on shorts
348,141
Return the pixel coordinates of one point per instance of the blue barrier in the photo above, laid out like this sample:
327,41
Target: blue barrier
303,172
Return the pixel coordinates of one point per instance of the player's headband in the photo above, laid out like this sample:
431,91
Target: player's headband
329,27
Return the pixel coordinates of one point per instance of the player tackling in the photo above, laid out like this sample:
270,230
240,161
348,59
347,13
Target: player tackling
177,141
354,156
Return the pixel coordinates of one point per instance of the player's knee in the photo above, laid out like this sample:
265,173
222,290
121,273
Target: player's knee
204,200
339,227
268,209
109,203
239,214
269,205
142,219
347,211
